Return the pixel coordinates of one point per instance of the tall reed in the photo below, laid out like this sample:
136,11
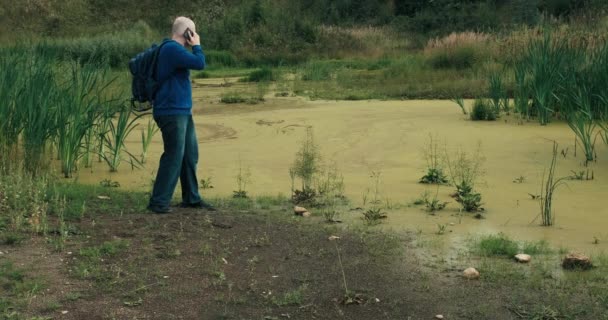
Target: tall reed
37,103
146,138
548,189
546,58
116,137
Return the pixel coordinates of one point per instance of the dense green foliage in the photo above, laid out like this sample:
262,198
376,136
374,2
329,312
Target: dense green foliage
270,32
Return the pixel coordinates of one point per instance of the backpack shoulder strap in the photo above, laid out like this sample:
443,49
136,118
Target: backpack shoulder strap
155,58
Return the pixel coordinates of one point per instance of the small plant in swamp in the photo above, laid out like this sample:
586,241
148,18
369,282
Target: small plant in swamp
433,205
146,138
331,193
464,171
441,228
434,164
548,188
483,111
460,102
243,177
582,175
375,213
306,167
107,183
206,183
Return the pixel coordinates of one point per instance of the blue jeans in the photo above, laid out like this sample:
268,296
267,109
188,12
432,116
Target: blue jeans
179,160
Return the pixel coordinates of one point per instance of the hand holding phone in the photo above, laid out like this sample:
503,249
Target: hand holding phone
192,38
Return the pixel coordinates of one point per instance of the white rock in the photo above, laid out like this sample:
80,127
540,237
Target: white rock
64,312
523,258
306,214
332,238
471,273
299,210
439,316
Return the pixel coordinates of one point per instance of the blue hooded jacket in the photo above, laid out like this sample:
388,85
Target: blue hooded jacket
174,97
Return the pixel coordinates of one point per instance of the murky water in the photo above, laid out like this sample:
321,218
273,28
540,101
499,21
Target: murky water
389,137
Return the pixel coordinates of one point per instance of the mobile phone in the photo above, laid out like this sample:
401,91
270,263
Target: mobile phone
188,34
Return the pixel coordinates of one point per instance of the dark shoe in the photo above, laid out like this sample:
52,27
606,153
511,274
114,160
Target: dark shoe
199,205
160,210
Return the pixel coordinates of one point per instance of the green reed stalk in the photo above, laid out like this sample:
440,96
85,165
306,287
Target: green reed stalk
497,94
77,115
548,189
581,121
117,135
146,138
11,68
546,58
37,103
522,91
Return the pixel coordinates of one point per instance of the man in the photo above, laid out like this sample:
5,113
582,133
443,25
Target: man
173,114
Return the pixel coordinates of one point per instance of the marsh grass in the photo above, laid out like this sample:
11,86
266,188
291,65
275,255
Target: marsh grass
521,92
548,187
498,94
460,102
146,138
115,139
483,110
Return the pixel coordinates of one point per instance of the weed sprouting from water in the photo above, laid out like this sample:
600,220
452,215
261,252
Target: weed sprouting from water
465,170
460,102
243,178
306,166
433,205
434,162
375,213
548,189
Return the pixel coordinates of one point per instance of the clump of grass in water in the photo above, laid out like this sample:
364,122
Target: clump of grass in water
434,162
464,171
482,111
433,205
497,94
548,189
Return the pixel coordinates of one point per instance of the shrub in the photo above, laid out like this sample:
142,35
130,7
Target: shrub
220,59
456,58
264,74
481,110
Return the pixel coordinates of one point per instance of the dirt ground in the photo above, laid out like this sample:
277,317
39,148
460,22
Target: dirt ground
254,265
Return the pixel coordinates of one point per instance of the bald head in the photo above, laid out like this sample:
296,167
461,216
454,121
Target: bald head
181,24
